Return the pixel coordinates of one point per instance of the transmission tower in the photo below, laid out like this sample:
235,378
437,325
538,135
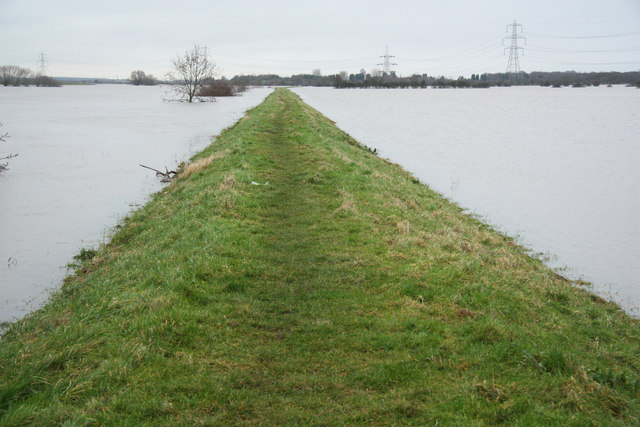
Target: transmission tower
386,64
513,66
42,64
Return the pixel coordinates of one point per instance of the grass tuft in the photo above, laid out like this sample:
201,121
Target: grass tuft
200,164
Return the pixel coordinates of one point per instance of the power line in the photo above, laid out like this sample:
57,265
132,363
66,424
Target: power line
605,36
255,58
488,45
551,50
545,61
110,64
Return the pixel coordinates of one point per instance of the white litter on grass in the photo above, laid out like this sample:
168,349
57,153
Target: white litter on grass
256,183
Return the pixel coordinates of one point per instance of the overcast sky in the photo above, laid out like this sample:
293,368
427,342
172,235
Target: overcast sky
452,38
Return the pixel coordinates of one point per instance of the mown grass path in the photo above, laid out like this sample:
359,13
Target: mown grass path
343,292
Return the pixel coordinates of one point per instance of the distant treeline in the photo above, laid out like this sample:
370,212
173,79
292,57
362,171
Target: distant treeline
364,80
537,78
12,75
275,80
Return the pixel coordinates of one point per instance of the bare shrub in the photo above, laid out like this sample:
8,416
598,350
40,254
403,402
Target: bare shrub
45,81
218,88
4,166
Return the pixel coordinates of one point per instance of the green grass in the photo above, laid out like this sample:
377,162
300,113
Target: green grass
344,292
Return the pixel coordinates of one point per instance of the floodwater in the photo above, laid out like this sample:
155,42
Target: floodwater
78,173
559,169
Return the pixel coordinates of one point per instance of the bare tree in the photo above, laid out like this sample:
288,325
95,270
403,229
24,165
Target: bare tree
12,75
192,72
139,78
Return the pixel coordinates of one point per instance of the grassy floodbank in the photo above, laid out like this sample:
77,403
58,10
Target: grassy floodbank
344,292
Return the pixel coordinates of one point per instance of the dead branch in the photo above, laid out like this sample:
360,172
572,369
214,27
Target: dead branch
5,166
10,156
167,175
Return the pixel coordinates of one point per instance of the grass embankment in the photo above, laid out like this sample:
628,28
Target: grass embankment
342,292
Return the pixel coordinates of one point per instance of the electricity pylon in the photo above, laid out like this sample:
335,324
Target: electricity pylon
513,66
42,62
386,64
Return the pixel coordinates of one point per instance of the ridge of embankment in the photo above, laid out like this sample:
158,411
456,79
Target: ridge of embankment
289,276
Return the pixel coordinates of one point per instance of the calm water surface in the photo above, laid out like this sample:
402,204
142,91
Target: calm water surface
77,172
557,168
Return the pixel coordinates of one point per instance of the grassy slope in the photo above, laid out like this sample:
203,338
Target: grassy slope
342,292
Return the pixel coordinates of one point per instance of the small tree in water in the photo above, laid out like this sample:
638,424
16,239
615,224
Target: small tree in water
3,166
192,72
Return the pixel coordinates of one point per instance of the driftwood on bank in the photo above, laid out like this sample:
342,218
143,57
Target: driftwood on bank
167,175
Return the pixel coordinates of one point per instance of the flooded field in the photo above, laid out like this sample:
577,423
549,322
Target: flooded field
78,173
557,168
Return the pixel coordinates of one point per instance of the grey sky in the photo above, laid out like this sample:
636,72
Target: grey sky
451,38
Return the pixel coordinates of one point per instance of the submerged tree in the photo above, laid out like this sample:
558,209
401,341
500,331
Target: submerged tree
3,166
45,81
192,72
12,75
